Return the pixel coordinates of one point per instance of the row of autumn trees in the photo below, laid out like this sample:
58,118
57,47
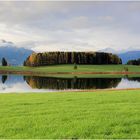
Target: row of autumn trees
52,58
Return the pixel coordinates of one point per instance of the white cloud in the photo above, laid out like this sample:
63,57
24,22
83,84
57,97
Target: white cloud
106,18
85,26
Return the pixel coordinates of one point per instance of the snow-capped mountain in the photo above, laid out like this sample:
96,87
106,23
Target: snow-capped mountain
13,54
125,54
108,50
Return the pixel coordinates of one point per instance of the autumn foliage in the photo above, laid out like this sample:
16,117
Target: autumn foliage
52,58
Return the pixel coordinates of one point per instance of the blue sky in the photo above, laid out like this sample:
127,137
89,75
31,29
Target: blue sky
71,26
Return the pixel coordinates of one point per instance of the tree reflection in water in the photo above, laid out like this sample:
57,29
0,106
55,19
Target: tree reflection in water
4,78
71,83
37,82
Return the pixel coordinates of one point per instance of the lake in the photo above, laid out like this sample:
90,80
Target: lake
16,83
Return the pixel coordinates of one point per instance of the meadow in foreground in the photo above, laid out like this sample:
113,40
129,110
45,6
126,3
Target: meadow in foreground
98,114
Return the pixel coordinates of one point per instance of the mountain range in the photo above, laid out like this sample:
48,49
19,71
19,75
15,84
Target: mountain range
13,54
16,55
125,55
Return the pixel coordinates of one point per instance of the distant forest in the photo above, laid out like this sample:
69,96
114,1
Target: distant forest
134,62
52,58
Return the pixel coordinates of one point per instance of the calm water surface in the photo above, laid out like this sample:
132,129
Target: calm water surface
12,83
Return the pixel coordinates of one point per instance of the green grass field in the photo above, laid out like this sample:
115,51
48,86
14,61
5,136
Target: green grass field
70,68
99,114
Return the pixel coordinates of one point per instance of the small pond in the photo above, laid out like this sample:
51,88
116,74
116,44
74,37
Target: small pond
16,83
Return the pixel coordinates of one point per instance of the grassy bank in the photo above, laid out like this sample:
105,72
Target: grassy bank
99,114
69,69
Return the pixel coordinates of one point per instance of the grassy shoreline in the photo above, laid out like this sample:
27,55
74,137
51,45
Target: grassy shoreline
98,114
63,70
